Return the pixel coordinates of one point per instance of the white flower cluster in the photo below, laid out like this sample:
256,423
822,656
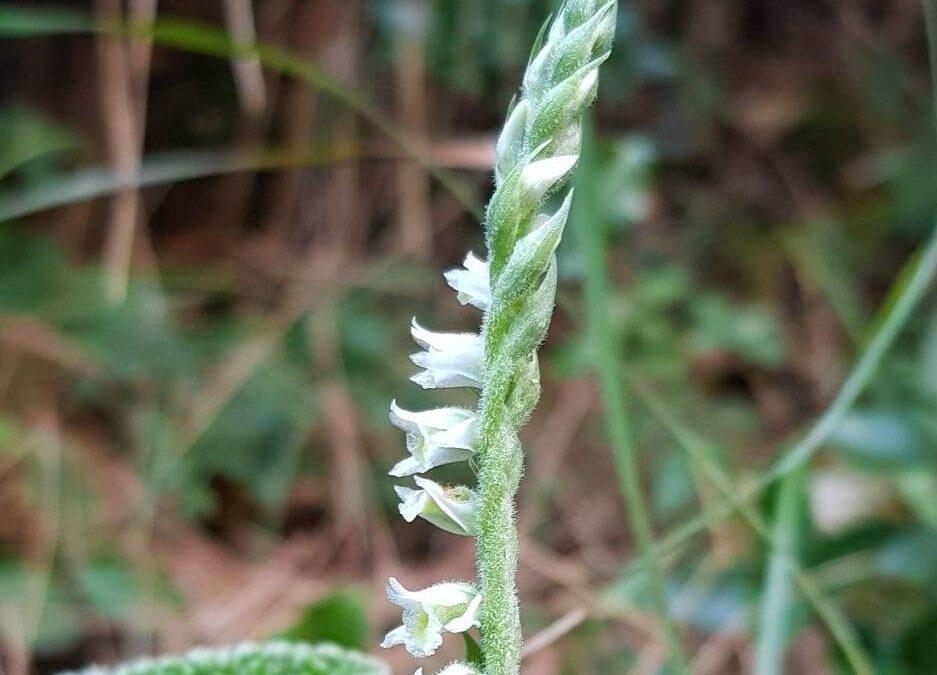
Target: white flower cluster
434,438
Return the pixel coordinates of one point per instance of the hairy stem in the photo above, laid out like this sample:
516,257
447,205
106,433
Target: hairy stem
500,467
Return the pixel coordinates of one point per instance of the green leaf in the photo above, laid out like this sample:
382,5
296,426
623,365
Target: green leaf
911,557
56,621
272,658
340,618
881,440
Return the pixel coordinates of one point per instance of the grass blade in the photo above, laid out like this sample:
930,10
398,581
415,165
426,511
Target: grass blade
18,21
590,233
159,169
776,597
701,453
906,295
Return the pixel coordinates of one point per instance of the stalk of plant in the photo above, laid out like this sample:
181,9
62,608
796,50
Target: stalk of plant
514,287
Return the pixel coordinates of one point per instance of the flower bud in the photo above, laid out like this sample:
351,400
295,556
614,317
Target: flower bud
471,283
511,140
539,176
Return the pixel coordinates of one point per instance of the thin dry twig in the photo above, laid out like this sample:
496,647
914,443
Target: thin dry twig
124,71
413,215
247,71
556,630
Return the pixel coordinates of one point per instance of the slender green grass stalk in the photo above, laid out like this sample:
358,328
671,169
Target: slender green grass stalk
591,237
905,296
515,287
701,453
777,599
930,21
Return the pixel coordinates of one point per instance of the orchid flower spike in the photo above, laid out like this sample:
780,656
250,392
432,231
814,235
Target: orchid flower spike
451,508
451,607
434,437
449,359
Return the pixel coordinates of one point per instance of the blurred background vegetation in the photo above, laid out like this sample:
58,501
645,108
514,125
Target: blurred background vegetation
209,257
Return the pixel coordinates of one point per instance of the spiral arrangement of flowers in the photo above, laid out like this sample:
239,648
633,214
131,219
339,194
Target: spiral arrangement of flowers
514,286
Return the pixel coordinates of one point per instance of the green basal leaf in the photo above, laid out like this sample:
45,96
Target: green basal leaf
272,658
339,618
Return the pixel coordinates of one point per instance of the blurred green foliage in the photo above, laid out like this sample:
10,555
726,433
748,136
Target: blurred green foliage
751,240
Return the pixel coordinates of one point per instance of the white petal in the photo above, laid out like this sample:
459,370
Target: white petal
398,594
439,341
542,174
447,594
469,619
456,508
410,466
407,466
412,502
428,421
398,636
457,669
450,359
423,639
471,283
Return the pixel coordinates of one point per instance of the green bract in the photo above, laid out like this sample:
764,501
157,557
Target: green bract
515,288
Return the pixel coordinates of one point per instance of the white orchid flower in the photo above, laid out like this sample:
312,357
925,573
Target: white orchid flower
449,359
434,437
450,606
453,669
451,508
471,282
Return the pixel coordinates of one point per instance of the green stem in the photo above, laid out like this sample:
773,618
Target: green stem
590,234
500,465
